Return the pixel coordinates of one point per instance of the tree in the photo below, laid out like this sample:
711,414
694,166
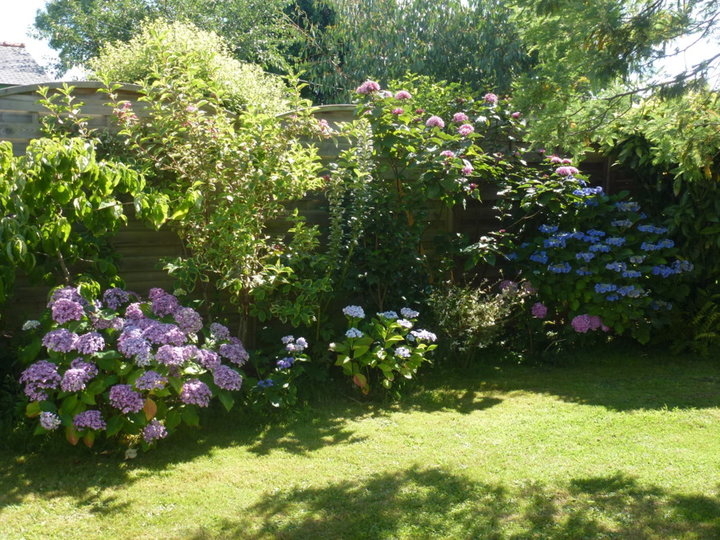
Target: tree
256,30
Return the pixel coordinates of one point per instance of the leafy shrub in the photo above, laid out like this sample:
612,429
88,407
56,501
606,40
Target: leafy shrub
182,51
126,367
386,344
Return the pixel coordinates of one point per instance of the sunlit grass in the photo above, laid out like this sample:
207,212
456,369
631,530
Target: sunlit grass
615,446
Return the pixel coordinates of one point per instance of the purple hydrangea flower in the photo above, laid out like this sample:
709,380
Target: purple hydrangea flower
171,355
265,383
125,399
219,331
227,378
207,359
67,293
581,323
402,352
150,380
490,98
163,303
285,363
38,377
89,420
188,320
134,311
465,130
90,343
163,334
79,374
50,420
195,392
403,94
154,431
539,310
65,310
235,352
368,87
115,297
435,121
60,340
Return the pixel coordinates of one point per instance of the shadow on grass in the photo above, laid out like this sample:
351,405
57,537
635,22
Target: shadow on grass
434,503
87,476
621,379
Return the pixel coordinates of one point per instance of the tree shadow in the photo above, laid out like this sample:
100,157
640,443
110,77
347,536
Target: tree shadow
435,503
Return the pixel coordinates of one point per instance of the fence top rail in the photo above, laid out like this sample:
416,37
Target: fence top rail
32,88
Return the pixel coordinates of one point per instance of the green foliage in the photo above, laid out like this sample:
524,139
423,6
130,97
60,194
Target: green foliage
257,31
383,347
183,51
60,205
472,42
225,177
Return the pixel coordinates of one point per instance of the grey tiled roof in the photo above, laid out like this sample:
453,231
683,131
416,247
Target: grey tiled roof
18,67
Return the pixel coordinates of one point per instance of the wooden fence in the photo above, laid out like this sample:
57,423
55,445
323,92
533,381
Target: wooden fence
140,249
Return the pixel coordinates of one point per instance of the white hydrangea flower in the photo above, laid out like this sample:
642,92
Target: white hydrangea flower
31,325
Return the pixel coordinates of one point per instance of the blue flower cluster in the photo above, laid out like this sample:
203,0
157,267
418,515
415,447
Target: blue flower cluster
677,267
588,191
539,257
547,229
554,242
561,268
585,256
583,271
616,266
624,223
664,243
602,288
599,248
627,206
631,274
615,241
652,229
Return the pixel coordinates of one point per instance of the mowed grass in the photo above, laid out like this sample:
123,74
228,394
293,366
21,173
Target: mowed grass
619,444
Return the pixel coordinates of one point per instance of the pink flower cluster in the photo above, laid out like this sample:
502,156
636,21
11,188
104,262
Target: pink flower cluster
585,322
539,310
368,87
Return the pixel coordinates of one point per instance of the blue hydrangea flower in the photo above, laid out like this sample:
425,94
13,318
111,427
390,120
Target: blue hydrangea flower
585,256
599,247
615,241
624,223
595,232
631,274
666,243
612,297
602,288
583,271
630,206
548,229
616,266
554,242
682,266
647,246
637,259
539,257
662,270
561,268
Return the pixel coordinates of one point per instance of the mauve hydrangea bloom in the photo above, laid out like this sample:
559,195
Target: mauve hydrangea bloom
490,98
567,171
287,339
65,310
154,431
555,159
465,130
435,121
285,363
171,355
207,359
581,323
89,420
131,344
402,352
219,331
150,380
409,313
460,118
188,320
115,297
539,310
227,378
353,333
31,325
299,345
235,352
196,392
67,293
368,87
50,420
515,115
424,335
398,111
508,285
354,312
163,303
403,94
467,170
164,334
125,399
60,340
447,153
74,380
38,377
100,323
134,311
89,343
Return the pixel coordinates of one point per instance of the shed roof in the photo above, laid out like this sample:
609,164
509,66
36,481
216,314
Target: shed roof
18,67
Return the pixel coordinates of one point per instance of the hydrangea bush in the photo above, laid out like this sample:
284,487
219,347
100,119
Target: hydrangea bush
128,368
387,343
276,383
600,263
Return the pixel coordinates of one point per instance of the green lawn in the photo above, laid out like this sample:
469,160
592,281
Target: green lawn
618,445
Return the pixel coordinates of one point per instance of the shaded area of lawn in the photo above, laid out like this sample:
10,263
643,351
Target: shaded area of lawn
424,503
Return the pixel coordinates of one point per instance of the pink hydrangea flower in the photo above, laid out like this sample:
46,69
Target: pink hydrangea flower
516,115
595,322
447,153
555,159
566,171
539,310
490,98
435,121
403,94
398,111
581,323
465,130
368,87
460,118
566,161
467,170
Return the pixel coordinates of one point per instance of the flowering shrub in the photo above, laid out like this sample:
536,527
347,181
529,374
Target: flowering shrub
276,384
388,343
600,262
128,367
